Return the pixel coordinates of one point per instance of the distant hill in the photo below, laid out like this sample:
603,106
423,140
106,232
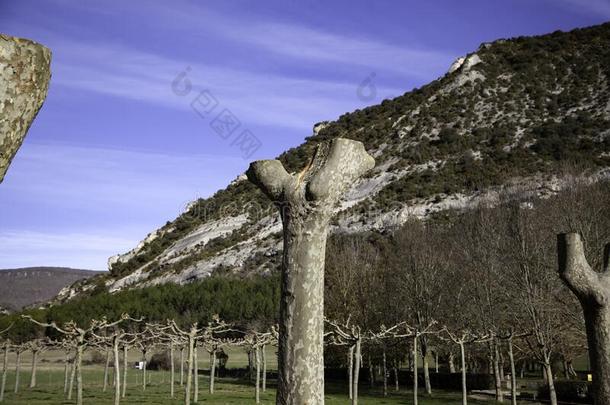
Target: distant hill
32,285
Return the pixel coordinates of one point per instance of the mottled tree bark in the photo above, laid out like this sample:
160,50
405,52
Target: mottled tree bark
306,201
496,367
212,369
181,366
513,373
451,363
34,368
357,359
350,369
24,80
257,361
4,371
72,378
124,388
264,372
593,291
195,375
415,382
117,371
17,371
463,361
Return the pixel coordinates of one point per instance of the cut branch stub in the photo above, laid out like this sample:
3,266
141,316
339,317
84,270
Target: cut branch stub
24,79
306,202
593,292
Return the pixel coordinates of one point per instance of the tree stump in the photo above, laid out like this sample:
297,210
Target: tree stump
593,291
306,201
24,80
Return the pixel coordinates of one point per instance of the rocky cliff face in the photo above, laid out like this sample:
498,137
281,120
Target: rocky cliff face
24,80
505,118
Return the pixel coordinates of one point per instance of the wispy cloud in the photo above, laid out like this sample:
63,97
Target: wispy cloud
78,250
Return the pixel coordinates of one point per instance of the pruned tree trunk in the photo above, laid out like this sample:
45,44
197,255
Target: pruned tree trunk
385,373
172,371
189,370
124,388
357,360
144,370
496,367
306,201
106,368
436,362
426,374
463,362
117,371
4,371
24,79
182,366
257,361
350,369
264,376
66,372
72,378
371,372
593,292
396,385
17,371
451,362
513,373
548,371
415,382
79,374
212,369
34,368
195,375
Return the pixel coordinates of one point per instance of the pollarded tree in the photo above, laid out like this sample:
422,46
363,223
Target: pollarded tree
593,291
306,201
255,342
80,336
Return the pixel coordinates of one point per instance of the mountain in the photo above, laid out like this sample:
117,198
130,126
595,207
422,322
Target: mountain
33,285
510,116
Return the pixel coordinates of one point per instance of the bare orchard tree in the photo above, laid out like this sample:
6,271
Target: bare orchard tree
463,338
306,201
81,336
36,346
593,291
255,342
6,347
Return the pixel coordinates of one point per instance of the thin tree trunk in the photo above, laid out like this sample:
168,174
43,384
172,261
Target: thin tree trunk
415,382
212,369
427,374
79,375
522,373
66,373
189,371
144,370
72,378
496,366
117,371
397,387
357,359
371,372
17,371
4,371
106,368
34,367
124,388
264,358
513,373
257,361
350,369
195,375
463,362
436,362
172,371
451,363
181,366
549,380
385,374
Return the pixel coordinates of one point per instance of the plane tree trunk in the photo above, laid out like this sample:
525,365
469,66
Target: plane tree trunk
306,201
593,291
24,79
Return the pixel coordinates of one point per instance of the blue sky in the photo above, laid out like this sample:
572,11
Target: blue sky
127,135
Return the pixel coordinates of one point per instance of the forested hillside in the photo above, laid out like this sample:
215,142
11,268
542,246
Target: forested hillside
508,116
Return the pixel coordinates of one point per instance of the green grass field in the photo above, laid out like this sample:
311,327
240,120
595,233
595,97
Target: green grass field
50,377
